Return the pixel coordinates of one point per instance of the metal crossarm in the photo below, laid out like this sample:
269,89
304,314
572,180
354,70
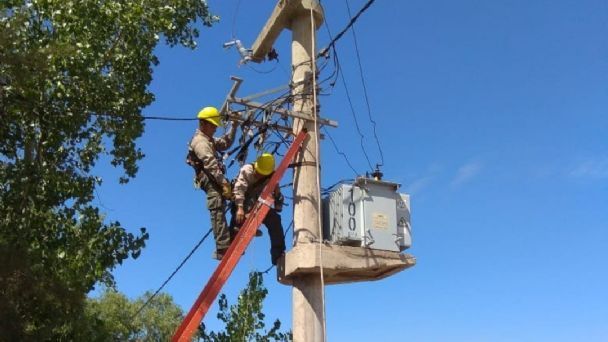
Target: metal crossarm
233,254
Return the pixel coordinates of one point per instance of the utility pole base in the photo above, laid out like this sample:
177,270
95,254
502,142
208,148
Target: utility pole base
341,264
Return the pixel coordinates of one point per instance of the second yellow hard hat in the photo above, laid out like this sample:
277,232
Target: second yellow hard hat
264,165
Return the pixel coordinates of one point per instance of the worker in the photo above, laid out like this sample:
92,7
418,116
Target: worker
210,171
248,186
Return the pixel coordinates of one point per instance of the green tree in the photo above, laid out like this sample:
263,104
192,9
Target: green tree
74,79
245,320
113,317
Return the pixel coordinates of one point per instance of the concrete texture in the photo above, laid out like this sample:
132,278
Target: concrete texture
341,264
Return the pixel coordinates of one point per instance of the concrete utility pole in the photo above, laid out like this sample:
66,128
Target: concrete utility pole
307,297
303,265
298,15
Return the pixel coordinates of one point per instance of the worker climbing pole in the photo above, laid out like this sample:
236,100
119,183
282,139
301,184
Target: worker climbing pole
237,247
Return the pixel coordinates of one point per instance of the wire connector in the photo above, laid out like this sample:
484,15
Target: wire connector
377,174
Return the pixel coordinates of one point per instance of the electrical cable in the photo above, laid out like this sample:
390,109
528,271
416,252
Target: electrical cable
352,110
369,111
173,273
263,71
234,16
351,23
340,75
341,181
145,117
340,152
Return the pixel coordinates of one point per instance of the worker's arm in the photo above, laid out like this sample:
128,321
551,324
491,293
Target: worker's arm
242,184
225,141
240,190
204,151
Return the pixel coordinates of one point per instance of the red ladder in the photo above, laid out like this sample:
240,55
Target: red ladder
235,251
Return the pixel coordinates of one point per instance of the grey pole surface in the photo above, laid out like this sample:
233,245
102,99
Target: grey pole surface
307,296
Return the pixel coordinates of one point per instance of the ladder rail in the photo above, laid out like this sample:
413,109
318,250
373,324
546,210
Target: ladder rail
219,277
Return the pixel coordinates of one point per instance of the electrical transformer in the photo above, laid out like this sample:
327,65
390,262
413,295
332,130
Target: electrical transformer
368,213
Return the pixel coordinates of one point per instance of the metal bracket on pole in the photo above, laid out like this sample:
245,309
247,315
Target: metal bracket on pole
235,87
246,102
291,113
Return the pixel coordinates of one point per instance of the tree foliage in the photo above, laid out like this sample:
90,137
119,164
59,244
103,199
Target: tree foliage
116,318
73,82
245,320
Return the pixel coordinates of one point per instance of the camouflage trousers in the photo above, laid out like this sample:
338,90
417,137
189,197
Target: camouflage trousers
217,209
275,230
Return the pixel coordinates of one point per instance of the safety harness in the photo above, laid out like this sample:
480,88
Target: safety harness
199,170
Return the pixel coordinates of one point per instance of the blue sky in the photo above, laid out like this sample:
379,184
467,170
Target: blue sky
493,116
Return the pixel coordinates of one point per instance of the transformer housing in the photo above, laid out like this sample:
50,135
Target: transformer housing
368,213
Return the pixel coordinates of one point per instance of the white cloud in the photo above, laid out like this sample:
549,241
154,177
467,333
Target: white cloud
466,172
418,185
594,169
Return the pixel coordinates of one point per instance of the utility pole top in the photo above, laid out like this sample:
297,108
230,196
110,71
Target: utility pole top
281,18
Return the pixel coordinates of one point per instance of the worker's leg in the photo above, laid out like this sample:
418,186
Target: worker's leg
275,230
216,207
232,226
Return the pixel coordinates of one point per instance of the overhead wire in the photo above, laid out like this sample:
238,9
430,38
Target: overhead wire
333,142
350,23
340,75
234,16
146,117
369,110
198,244
354,115
263,71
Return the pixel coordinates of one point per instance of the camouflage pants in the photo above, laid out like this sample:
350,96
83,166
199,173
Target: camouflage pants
275,230
216,206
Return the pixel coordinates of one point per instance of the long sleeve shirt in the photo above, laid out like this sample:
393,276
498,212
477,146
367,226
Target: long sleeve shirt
205,147
249,186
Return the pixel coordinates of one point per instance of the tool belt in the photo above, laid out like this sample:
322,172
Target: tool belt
201,172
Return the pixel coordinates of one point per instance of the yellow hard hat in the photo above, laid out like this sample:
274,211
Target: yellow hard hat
264,165
210,114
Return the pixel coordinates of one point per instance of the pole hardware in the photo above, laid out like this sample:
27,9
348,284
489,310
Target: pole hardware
249,104
244,52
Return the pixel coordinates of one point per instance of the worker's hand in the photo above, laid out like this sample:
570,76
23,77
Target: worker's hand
278,207
240,215
226,190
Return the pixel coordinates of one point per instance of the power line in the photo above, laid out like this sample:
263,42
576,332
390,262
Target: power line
263,71
369,111
145,117
352,110
340,75
165,118
350,23
340,152
172,274
236,12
